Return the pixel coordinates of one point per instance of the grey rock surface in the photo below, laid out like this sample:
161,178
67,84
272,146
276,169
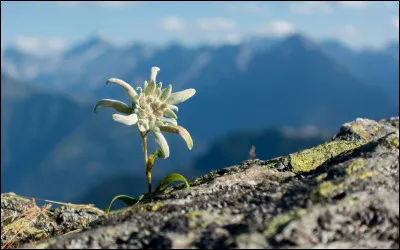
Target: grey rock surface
341,194
22,220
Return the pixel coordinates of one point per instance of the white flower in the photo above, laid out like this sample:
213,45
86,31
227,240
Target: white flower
149,108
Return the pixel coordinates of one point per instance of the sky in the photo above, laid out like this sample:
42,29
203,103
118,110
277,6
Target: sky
51,27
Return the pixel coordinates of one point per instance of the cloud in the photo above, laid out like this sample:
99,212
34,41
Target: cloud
215,24
107,4
27,44
36,45
214,29
247,7
56,44
232,38
353,4
172,24
310,7
225,38
396,22
277,28
345,34
348,31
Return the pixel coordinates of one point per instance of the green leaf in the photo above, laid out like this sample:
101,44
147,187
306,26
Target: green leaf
169,179
140,198
125,198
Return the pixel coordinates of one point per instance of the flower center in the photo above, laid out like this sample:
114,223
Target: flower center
150,108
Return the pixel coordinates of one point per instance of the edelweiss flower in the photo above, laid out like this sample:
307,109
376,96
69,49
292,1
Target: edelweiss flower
149,108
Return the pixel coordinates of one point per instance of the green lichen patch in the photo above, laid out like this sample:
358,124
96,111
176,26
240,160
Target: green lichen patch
274,225
356,172
202,219
331,188
361,131
310,159
157,206
365,174
355,165
395,142
328,188
270,164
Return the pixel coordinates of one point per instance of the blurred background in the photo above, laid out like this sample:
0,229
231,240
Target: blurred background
281,76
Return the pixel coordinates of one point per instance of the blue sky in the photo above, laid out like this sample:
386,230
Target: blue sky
54,26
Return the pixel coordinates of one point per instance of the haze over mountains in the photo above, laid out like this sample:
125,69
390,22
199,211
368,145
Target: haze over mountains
51,135
83,66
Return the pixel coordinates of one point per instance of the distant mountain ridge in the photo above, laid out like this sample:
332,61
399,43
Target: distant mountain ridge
374,67
295,84
81,68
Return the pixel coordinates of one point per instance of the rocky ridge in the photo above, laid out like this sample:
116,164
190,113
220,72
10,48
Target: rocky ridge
341,194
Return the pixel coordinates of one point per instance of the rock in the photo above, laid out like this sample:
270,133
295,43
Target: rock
341,194
23,221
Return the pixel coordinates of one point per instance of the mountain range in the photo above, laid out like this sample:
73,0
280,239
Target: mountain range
79,70
55,147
